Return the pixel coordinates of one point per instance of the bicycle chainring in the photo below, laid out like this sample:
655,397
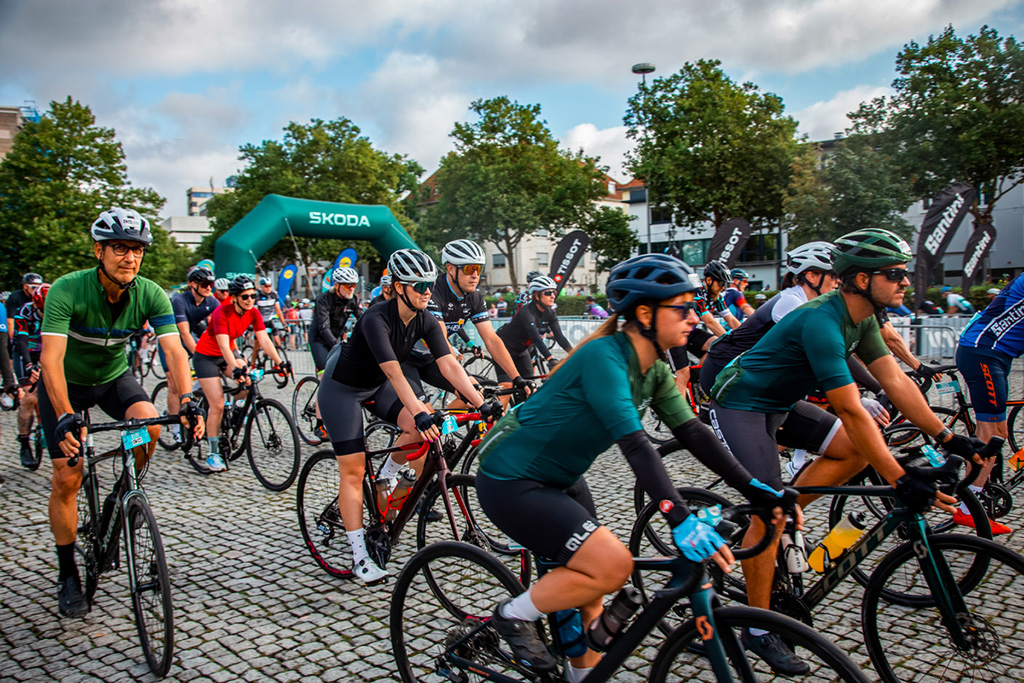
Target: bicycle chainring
378,544
997,499
791,606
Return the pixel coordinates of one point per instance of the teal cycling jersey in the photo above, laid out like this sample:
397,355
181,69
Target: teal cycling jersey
77,308
804,351
597,397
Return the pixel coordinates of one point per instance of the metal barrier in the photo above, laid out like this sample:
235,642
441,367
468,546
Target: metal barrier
932,337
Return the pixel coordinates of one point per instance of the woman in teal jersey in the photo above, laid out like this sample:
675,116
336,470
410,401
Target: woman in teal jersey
531,464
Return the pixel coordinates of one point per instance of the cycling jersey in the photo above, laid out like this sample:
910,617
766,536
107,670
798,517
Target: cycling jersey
186,310
734,300
380,336
27,324
266,304
1000,327
528,326
225,320
704,305
15,301
806,349
595,400
77,308
330,315
453,310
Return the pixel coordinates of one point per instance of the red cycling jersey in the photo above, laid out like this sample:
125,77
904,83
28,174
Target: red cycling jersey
224,320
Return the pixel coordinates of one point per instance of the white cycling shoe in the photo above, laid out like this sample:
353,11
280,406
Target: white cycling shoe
367,571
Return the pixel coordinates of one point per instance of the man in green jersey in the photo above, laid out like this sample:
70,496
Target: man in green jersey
89,316
757,402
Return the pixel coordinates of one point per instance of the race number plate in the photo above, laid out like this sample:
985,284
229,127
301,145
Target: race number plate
135,437
449,425
950,387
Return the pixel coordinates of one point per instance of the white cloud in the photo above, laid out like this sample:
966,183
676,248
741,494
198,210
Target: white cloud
822,120
610,144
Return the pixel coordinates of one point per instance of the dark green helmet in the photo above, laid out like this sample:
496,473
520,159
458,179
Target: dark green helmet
869,249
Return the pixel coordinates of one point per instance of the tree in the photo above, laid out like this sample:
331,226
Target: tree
62,171
957,114
709,149
328,161
611,238
853,187
507,179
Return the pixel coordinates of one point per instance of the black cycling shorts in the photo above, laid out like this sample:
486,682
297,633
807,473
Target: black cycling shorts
549,521
523,362
208,366
113,398
423,369
341,410
320,353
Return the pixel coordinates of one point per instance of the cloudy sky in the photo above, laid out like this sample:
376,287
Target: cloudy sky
186,82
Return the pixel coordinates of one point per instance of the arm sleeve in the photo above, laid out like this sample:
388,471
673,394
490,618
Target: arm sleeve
652,477
434,337
463,335
556,332
706,447
321,324
531,329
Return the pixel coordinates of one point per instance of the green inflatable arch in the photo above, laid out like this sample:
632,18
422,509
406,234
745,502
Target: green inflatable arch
237,251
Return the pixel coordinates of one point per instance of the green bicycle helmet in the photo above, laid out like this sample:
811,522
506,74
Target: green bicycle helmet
869,249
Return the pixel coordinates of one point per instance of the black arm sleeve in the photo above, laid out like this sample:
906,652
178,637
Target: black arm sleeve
463,335
530,325
862,377
705,446
21,341
5,361
556,332
650,472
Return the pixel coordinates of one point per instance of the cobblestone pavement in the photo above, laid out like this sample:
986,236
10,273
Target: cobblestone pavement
249,603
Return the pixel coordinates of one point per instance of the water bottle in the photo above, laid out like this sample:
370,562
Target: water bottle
401,492
569,623
935,459
605,629
793,552
1016,460
843,535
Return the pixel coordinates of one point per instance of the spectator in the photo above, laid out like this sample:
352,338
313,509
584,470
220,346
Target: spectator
492,312
502,306
993,293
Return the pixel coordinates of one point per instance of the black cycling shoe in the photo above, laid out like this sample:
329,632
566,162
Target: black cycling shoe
27,459
770,648
522,636
70,598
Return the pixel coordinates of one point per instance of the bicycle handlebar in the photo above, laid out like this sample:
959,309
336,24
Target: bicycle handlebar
187,438
730,515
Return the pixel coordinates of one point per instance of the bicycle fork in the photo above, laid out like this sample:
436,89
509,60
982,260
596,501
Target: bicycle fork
943,587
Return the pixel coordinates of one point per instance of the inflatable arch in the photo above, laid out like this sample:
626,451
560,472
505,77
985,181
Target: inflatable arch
237,251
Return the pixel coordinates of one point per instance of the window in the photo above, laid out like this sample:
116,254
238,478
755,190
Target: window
498,261
542,258
695,252
763,247
541,233
661,214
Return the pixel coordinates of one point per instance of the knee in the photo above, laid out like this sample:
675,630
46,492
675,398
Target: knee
617,565
66,482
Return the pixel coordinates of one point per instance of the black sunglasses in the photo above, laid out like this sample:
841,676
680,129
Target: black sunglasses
548,292
246,297
892,274
421,287
683,309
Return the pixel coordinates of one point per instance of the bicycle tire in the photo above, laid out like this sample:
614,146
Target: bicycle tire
87,541
921,644
474,582
677,661
316,501
902,432
482,367
304,409
156,367
670,447
1016,432
158,397
875,508
151,591
474,527
275,459
380,434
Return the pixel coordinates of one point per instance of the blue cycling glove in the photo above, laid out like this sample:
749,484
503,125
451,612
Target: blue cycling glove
762,495
696,540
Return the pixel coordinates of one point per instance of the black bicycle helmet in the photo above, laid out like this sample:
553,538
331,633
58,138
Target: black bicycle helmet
240,284
650,277
717,271
202,275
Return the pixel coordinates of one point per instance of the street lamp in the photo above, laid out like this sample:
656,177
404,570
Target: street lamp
642,69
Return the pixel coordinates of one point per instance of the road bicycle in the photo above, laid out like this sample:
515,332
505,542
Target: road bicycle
936,607
445,594
444,503
103,532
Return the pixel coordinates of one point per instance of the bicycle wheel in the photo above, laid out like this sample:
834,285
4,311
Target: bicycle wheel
151,589
87,542
875,509
158,397
304,409
482,367
903,433
272,443
656,430
911,643
427,618
156,367
677,661
473,525
316,501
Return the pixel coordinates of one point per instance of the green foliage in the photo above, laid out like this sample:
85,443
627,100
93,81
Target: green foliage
854,187
611,238
327,161
711,149
507,179
60,174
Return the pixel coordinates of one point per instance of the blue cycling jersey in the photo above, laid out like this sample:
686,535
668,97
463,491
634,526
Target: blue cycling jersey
1000,326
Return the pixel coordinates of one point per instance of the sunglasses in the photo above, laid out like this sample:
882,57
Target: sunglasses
420,287
201,283
892,274
548,292
472,269
682,309
246,297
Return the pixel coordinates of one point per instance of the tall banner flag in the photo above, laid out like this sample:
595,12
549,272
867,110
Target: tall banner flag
206,263
728,242
285,281
937,230
568,253
978,246
346,259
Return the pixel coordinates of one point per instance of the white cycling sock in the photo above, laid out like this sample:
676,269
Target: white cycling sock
976,490
175,428
575,675
521,607
390,469
358,543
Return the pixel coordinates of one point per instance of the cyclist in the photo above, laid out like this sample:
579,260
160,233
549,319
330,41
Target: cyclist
987,347
88,318
331,313
220,289
532,461
367,372
27,324
455,301
216,350
14,303
594,309
529,326
191,309
386,291
270,310
756,402
734,299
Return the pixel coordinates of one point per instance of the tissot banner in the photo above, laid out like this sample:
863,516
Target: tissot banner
937,230
729,241
285,281
977,248
567,255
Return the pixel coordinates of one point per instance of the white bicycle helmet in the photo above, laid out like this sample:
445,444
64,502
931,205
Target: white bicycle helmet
121,224
345,276
385,280
220,284
463,253
411,265
541,283
810,256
